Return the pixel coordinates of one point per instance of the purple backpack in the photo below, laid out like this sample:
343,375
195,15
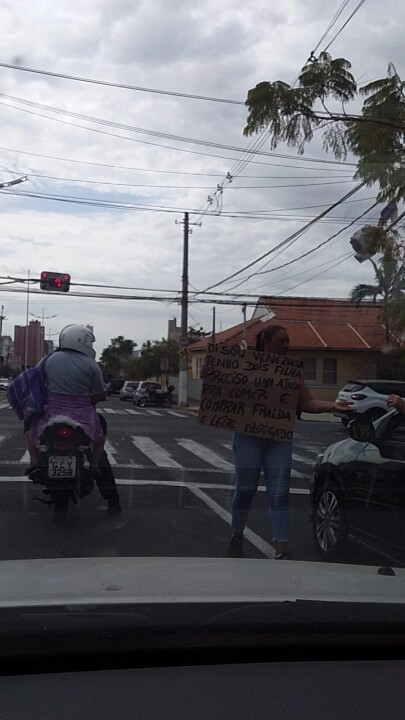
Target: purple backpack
26,393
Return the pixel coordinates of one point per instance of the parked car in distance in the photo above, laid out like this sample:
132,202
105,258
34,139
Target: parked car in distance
143,387
128,389
357,491
4,383
369,398
114,386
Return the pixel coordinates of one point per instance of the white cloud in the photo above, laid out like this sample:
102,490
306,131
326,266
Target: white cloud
203,48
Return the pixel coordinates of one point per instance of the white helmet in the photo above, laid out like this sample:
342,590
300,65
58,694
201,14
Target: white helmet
77,337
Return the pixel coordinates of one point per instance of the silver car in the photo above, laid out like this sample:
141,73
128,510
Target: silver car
128,389
368,398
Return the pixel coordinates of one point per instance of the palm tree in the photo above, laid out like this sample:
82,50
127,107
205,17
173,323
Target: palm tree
389,286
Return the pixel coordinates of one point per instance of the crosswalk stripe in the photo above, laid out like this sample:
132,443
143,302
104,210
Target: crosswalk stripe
177,414
155,452
204,453
303,459
25,458
111,411
153,412
133,412
228,446
110,450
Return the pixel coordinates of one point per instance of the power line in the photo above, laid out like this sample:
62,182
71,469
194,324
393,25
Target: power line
308,252
115,205
204,143
222,157
356,9
317,275
122,86
291,238
331,24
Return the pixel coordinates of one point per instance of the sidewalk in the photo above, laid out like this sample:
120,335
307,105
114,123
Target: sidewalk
321,417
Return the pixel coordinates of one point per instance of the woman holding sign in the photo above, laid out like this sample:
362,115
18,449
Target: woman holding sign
253,453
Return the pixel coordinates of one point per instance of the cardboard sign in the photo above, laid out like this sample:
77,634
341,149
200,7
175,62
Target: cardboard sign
250,392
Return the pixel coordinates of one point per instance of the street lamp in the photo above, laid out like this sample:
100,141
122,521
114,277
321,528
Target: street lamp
43,317
10,183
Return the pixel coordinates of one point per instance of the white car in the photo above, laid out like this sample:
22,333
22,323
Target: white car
4,383
368,398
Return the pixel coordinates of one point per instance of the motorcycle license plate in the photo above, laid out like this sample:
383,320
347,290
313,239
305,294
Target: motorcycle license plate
62,466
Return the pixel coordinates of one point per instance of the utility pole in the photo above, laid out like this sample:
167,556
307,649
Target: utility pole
2,317
26,321
184,317
213,324
183,365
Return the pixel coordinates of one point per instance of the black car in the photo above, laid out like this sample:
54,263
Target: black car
358,491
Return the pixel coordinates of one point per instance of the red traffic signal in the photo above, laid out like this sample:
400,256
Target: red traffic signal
54,281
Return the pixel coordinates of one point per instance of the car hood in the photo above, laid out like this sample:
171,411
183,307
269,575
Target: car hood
96,581
347,448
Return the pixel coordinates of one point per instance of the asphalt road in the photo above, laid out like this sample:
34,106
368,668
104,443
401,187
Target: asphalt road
175,481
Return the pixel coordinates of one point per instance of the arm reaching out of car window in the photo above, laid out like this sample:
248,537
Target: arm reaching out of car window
397,402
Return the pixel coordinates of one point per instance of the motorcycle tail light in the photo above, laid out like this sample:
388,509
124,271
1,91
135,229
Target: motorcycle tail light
358,396
64,431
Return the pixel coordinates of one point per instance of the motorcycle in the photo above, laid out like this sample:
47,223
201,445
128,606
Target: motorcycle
157,398
64,449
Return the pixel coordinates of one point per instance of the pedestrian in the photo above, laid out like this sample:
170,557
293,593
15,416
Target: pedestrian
252,454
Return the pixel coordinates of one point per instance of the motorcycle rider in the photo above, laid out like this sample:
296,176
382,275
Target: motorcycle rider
74,384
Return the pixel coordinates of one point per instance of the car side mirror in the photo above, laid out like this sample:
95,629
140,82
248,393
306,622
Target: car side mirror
362,431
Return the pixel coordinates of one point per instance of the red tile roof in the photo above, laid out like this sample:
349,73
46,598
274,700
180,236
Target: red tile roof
312,324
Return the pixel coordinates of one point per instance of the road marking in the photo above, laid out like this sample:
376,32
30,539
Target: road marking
4,405
205,454
166,483
133,412
228,446
110,450
111,411
153,412
155,452
254,539
302,459
177,414
25,458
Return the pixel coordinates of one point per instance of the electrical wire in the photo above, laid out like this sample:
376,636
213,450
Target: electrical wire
122,86
292,237
204,143
307,253
356,9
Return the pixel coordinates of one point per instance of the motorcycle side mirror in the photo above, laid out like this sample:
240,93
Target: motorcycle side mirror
362,431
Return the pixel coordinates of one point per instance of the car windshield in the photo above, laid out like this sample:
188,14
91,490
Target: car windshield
202,294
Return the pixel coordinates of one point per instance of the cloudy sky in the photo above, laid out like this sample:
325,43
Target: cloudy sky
194,47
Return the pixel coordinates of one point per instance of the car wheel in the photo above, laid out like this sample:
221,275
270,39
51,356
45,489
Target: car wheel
166,402
329,521
142,402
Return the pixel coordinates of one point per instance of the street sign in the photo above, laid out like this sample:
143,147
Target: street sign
164,364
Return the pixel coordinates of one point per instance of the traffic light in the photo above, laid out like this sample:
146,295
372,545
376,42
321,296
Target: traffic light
54,281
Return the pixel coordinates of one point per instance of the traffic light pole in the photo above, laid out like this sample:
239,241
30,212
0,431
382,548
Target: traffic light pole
183,369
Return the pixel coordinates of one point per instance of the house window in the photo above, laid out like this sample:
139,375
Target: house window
329,375
309,370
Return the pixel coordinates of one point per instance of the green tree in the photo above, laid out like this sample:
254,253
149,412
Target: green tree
116,359
389,286
149,363
376,137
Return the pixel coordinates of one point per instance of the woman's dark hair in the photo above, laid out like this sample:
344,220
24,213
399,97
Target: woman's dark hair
266,335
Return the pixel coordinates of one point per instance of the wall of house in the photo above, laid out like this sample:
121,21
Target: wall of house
325,371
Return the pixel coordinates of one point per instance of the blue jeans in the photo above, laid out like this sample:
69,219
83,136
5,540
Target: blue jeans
251,455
